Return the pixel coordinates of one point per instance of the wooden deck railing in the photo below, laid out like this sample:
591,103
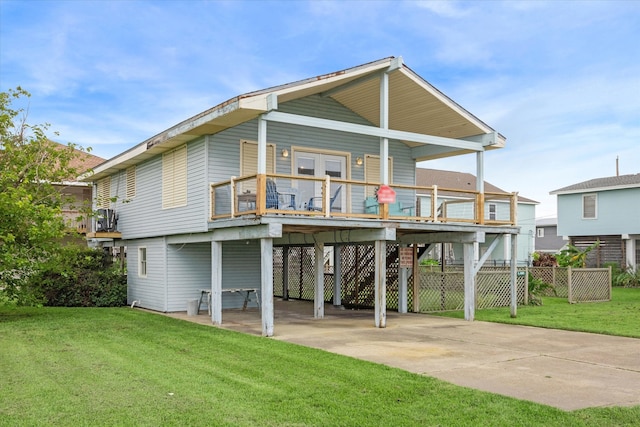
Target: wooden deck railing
284,194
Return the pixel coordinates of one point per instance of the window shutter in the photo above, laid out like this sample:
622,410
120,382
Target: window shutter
372,172
249,162
103,196
174,178
131,182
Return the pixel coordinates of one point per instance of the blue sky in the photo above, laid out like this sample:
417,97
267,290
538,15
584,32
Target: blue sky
561,80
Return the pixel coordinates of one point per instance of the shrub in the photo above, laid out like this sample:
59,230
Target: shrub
80,277
538,287
627,278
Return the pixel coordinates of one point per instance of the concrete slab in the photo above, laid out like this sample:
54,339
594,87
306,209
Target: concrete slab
567,370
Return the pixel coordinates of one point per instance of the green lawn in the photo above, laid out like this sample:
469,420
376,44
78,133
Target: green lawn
83,366
620,316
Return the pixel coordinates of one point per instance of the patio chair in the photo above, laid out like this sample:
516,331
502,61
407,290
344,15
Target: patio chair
318,207
280,199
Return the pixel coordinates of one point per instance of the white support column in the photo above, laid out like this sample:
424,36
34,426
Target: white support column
216,282
381,284
262,146
630,251
514,275
403,275
384,124
480,171
266,286
318,300
469,281
285,273
337,275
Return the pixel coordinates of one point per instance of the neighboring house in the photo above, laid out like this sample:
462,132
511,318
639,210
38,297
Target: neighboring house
604,210
547,238
206,204
77,193
497,205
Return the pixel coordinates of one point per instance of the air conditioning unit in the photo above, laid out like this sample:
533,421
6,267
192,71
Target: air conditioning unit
106,220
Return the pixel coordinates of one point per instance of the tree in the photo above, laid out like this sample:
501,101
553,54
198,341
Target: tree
31,221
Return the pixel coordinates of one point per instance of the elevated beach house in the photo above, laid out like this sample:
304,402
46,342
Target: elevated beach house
228,202
603,211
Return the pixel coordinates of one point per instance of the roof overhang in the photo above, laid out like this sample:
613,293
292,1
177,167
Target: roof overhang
415,108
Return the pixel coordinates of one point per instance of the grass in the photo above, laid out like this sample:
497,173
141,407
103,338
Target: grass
83,366
620,316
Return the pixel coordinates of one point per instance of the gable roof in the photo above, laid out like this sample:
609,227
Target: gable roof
82,160
414,106
602,184
457,181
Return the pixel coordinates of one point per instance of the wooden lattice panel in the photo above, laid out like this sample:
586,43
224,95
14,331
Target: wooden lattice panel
493,288
590,284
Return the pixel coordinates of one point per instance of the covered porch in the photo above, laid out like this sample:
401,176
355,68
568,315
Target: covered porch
270,231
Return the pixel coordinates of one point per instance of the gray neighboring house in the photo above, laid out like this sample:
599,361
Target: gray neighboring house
494,208
547,239
606,210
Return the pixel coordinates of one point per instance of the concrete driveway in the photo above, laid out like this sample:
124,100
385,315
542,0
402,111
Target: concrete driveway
567,370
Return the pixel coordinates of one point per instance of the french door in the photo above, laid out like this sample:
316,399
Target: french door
319,165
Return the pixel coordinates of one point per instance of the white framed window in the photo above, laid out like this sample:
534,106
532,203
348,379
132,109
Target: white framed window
492,211
589,206
540,232
174,178
142,262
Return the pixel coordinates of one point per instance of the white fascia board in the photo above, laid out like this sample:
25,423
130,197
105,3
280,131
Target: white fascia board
114,161
595,190
276,116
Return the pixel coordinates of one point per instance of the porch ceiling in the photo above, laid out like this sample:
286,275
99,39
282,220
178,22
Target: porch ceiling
414,106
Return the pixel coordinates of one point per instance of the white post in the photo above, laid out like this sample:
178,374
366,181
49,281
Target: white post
337,275
285,273
403,274
262,146
216,282
514,276
384,124
469,281
480,171
318,300
381,284
266,286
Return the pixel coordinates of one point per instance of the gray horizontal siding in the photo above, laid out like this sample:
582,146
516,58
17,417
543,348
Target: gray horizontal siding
150,291
240,269
224,151
189,271
143,216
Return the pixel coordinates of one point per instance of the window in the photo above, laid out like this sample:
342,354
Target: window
372,172
103,193
589,206
540,232
492,211
131,182
174,178
142,262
